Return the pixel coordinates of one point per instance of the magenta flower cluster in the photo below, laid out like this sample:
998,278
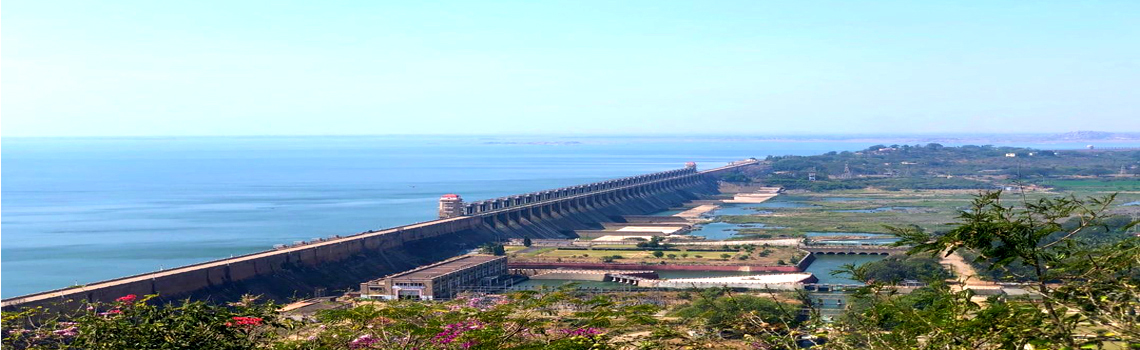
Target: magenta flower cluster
363,341
483,303
67,332
455,330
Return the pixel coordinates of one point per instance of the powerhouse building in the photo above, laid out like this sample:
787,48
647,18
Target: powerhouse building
442,280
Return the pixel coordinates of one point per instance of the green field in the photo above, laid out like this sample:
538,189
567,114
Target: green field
932,210
1094,185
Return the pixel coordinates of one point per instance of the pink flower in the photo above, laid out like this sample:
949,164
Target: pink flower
244,322
453,331
67,332
363,341
111,312
129,298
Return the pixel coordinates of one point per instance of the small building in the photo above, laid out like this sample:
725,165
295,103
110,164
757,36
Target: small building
442,280
450,206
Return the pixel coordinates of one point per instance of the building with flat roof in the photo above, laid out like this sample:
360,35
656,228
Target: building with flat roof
442,280
450,206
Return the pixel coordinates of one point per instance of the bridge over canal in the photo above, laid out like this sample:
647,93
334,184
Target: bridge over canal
853,249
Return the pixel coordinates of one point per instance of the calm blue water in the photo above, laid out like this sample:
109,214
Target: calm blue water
825,264
739,209
82,210
722,230
668,213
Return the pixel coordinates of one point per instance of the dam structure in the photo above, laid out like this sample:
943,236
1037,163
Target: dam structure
341,263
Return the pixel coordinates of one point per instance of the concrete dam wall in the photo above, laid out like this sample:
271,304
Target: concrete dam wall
333,265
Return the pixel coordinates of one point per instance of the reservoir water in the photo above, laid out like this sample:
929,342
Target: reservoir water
79,210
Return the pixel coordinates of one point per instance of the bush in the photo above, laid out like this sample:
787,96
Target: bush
895,269
137,323
734,315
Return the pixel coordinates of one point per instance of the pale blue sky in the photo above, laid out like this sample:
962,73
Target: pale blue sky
114,68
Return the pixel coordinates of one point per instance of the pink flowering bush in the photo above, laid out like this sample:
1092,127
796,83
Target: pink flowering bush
555,320
131,322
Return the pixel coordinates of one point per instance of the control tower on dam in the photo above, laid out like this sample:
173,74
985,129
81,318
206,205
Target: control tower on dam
329,266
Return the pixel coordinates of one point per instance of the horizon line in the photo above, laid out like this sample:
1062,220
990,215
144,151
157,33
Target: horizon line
689,135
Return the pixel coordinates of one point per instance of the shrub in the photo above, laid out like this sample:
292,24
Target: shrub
139,323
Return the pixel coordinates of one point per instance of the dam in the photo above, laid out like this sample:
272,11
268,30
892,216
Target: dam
337,264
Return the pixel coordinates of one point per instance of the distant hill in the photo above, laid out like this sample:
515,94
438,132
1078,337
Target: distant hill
933,166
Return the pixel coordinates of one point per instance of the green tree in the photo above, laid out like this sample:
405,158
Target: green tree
894,269
493,249
527,242
1088,292
658,253
732,315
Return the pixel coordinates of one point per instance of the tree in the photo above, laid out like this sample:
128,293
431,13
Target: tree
526,242
725,256
658,253
730,315
1088,290
895,269
493,249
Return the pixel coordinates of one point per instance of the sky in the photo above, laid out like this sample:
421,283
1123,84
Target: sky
154,68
